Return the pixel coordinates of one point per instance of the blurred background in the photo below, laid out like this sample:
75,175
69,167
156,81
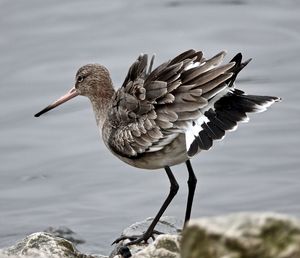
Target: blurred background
55,171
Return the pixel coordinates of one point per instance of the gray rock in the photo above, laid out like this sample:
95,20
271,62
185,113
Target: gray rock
244,235
42,245
164,246
167,225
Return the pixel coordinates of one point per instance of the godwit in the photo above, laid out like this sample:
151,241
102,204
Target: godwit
161,118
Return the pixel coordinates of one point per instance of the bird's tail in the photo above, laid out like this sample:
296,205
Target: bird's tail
224,116
234,106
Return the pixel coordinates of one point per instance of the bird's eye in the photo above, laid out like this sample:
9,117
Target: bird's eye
80,78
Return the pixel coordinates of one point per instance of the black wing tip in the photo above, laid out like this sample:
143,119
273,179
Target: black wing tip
238,60
238,56
273,98
247,62
277,99
193,149
239,65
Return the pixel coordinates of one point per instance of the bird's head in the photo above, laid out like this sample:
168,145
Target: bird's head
92,81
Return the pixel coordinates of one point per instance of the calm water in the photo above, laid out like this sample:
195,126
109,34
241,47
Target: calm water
55,170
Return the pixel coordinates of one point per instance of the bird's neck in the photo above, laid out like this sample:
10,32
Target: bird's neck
101,105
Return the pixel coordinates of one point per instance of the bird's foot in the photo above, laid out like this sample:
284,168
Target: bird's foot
137,239
124,252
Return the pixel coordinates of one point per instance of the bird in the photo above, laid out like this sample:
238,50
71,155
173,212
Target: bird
162,117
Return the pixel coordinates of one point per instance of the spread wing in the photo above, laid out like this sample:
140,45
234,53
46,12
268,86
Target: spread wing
152,108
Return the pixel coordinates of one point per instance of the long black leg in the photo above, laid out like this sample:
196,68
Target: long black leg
192,181
149,233
173,191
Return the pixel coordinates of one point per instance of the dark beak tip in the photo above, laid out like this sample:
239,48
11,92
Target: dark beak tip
42,111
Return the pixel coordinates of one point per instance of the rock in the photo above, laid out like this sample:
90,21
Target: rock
66,233
43,245
166,245
244,235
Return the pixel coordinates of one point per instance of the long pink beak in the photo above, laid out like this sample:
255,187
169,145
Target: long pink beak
71,94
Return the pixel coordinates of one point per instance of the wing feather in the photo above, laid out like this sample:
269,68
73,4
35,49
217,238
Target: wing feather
151,109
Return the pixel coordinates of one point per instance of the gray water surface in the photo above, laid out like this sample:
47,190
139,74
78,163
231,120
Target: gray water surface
56,171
